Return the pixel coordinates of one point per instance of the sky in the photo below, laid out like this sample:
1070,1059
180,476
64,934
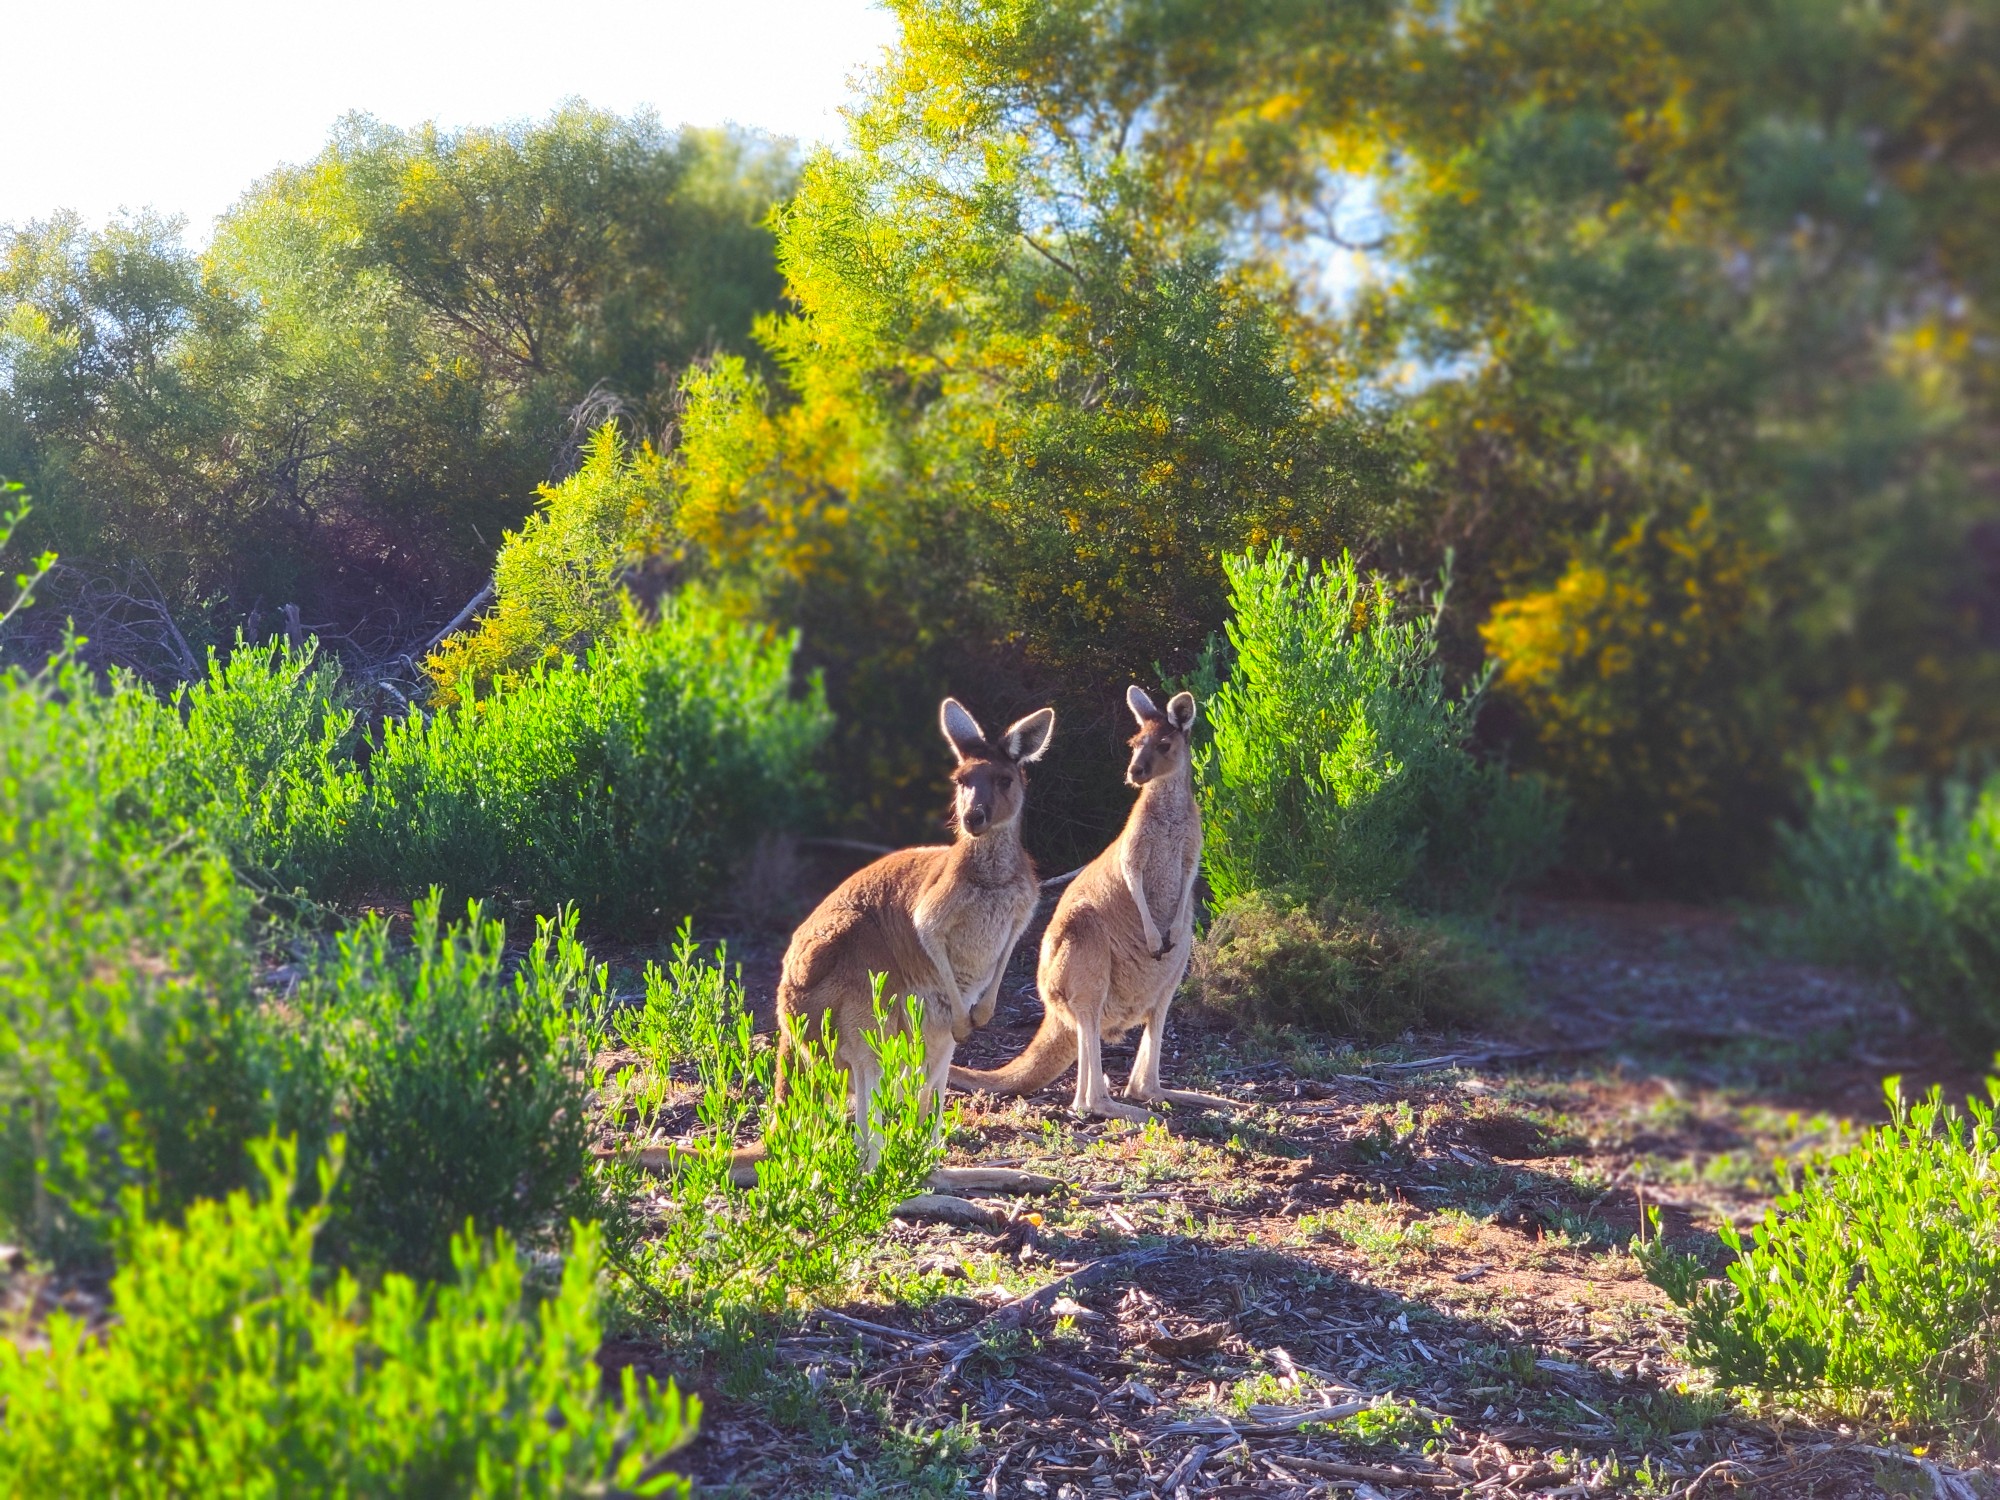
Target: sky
109,106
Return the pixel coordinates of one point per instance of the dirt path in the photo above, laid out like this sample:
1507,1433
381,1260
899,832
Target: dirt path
1381,1273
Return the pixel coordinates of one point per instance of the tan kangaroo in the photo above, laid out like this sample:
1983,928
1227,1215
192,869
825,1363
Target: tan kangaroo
1120,939
939,921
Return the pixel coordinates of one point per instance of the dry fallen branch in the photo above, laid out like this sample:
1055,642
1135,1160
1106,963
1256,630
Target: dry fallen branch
1327,1468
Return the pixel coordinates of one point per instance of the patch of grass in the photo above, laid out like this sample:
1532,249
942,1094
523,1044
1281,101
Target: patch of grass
1387,1424
929,1462
1347,970
1378,1231
1657,1415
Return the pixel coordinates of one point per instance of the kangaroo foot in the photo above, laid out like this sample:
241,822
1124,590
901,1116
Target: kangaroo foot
1111,1109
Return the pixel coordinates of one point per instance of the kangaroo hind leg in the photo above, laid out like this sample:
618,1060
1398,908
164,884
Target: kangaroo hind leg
1080,983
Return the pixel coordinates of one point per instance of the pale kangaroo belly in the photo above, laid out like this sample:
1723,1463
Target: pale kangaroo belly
976,944
1136,977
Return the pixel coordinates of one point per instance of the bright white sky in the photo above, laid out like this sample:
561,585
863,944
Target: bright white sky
179,105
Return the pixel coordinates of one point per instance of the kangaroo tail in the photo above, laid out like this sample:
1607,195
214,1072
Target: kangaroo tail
1041,1062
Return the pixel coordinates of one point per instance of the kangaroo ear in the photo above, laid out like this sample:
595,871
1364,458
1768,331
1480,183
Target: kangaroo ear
1028,739
1141,706
961,729
1180,711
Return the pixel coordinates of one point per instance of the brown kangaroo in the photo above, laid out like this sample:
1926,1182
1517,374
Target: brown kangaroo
940,922
1121,936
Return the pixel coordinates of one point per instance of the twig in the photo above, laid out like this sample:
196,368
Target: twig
1695,1484
1275,1427
1329,1469
472,607
862,1325
1187,1467
858,846
1496,1054
1022,1309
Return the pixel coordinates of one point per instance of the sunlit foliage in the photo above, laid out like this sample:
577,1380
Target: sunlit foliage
355,388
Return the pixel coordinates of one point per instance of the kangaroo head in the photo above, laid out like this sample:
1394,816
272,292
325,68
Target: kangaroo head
1160,748
991,780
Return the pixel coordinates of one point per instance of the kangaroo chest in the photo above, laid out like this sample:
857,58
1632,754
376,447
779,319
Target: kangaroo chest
980,922
974,941
1166,849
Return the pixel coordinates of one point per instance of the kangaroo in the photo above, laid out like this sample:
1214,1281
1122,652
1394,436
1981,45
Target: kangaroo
940,922
1121,936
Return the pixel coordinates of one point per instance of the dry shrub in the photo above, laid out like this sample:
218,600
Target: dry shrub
1351,970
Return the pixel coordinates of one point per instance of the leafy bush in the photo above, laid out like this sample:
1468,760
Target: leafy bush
1644,672
624,782
256,758
461,1090
1350,970
126,1049
1338,765
715,1250
226,1373
1874,1285
556,580
1914,891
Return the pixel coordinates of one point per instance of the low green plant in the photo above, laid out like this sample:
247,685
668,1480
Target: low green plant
624,783
1348,970
1337,765
1873,1286
1389,1423
1913,890
126,1011
460,1081
716,1251
227,1373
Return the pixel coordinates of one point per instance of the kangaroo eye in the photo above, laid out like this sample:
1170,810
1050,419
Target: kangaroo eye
1005,782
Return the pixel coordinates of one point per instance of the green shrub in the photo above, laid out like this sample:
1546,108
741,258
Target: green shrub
133,1051
1913,891
624,783
1349,970
126,1036
461,1088
558,581
1874,1285
226,1374
713,1250
1337,765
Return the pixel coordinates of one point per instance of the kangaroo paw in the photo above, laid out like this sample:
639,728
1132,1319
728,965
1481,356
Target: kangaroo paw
1111,1109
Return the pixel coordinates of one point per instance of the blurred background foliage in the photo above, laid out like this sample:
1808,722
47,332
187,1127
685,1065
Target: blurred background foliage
1669,323
343,402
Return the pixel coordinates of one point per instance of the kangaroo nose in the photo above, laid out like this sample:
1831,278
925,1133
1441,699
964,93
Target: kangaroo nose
975,819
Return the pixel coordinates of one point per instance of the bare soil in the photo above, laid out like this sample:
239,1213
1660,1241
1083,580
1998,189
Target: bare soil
1391,1272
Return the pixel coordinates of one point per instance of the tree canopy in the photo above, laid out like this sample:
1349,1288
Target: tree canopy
344,399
